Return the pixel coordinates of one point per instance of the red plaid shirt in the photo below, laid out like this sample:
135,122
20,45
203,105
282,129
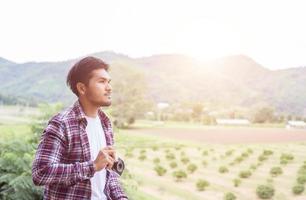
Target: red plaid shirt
62,162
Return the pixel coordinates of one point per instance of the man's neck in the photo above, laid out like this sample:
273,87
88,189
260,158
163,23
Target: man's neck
89,109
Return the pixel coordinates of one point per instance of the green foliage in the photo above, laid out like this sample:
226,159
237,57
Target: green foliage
301,179
202,184
192,167
245,174
298,189
223,169
237,182
265,191
156,160
275,171
170,156
229,196
185,160
129,96
160,170
142,157
173,164
15,171
263,115
179,175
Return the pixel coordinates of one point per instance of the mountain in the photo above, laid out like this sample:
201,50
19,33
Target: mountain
228,81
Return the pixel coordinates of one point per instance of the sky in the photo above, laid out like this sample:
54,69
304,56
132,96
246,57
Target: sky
273,33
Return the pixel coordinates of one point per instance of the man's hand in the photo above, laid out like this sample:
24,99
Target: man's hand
105,158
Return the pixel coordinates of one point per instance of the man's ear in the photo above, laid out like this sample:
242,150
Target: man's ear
81,88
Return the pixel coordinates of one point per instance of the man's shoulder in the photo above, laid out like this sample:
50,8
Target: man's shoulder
65,116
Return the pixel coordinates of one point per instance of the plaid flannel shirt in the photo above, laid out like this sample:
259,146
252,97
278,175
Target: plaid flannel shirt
62,162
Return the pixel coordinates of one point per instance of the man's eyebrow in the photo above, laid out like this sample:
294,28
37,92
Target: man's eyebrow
104,78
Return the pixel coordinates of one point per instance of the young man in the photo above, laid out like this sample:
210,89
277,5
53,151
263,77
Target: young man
75,154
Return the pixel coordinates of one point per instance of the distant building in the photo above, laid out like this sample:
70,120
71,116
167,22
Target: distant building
295,124
237,122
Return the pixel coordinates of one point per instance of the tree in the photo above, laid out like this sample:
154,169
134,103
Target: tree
263,115
129,95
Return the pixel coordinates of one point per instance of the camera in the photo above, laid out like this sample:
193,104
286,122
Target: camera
118,166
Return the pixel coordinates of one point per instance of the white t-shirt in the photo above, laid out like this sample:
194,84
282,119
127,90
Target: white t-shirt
97,141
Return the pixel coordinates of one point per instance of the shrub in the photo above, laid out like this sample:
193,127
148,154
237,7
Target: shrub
287,156
185,160
156,160
192,167
142,157
223,169
301,178
245,174
205,153
155,148
237,182
267,152
229,196
173,164
298,189
170,156
262,158
201,184
143,151
160,170
179,175
253,166
275,171
265,191
229,152
204,163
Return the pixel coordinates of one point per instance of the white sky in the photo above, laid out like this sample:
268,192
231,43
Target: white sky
271,32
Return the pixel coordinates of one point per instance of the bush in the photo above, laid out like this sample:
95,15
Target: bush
229,196
298,189
185,160
205,153
229,152
287,156
160,170
245,174
223,169
265,191
156,160
237,182
143,151
262,158
192,167
275,171
179,175
267,152
142,157
170,156
202,184
253,166
204,163
301,179
173,164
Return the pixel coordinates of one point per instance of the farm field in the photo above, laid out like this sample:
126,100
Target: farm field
229,159
176,161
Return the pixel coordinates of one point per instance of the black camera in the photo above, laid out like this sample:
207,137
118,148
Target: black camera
118,166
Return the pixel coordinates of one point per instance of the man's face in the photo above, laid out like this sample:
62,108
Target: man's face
98,90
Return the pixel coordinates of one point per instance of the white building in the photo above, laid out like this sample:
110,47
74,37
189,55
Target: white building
295,124
237,122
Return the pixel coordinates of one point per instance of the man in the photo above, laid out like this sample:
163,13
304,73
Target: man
75,154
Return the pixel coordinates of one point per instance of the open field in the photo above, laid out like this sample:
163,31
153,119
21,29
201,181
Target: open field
218,155
209,158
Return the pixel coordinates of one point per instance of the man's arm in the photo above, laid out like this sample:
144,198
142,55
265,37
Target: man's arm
47,168
116,191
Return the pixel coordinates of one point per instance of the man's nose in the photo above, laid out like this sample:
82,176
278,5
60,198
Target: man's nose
108,87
